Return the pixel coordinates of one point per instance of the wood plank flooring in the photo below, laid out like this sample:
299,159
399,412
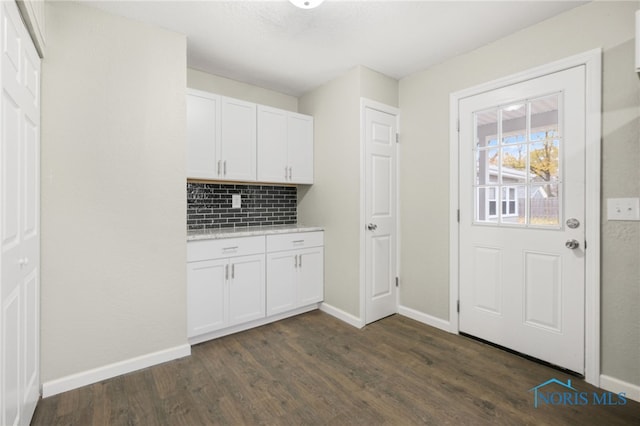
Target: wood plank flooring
314,370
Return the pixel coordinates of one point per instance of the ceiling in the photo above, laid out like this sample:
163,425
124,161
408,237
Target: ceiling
273,44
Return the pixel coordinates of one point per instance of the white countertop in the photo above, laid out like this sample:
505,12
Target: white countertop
212,234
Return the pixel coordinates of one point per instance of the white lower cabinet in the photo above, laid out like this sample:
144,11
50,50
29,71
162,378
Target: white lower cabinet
295,276
238,283
225,292
226,283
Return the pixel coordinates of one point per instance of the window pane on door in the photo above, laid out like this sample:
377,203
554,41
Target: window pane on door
487,166
544,118
518,151
514,164
544,205
486,123
487,202
544,160
514,123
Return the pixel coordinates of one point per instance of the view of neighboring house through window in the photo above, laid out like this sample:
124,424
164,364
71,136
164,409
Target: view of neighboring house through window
517,151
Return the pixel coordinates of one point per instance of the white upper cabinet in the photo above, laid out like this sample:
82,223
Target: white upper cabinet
221,137
300,148
285,146
203,134
272,145
230,139
237,159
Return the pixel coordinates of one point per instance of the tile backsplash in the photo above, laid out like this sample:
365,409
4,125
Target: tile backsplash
209,205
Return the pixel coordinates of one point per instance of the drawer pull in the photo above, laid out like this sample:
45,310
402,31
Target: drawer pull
298,241
230,248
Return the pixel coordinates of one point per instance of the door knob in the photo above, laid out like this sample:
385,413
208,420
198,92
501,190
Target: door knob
372,227
572,244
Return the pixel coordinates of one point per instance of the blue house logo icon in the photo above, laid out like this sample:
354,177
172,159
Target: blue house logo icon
545,396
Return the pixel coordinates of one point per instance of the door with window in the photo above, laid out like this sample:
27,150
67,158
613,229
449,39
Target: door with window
522,210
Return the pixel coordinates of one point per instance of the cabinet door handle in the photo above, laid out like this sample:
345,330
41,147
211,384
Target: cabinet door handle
218,172
225,167
233,270
226,272
290,173
285,173
300,261
295,261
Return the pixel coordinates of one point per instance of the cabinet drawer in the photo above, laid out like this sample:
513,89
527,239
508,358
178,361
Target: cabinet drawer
226,247
294,241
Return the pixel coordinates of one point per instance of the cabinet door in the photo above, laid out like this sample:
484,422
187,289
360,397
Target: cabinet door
238,140
203,117
246,289
272,145
300,148
281,282
206,296
310,276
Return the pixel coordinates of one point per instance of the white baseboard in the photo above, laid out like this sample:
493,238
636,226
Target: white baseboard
614,385
425,318
342,315
95,375
251,324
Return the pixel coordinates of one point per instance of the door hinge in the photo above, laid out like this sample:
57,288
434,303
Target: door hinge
585,244
397,137
397,282
458,306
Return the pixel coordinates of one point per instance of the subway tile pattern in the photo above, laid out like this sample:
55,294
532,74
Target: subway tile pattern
209,205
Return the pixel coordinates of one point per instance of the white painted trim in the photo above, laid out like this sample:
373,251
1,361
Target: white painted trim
84,378
342,315
454,202
378,106
251,324
593,132
592,60
427,319
614,385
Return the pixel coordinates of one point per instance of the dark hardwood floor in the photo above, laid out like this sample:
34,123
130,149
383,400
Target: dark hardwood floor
313,369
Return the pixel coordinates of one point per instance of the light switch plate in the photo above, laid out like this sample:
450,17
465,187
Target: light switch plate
236,201
623,209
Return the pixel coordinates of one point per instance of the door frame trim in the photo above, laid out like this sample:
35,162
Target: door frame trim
378,106
592,60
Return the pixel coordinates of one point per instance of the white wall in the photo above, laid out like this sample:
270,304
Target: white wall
113,190
424,104
334,200
200,80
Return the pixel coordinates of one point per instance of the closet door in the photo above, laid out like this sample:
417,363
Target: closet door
19,219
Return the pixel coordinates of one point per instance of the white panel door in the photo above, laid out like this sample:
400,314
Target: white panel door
246,288
300,142
203,135
522,210
19,220
237,140
272,145
380,214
